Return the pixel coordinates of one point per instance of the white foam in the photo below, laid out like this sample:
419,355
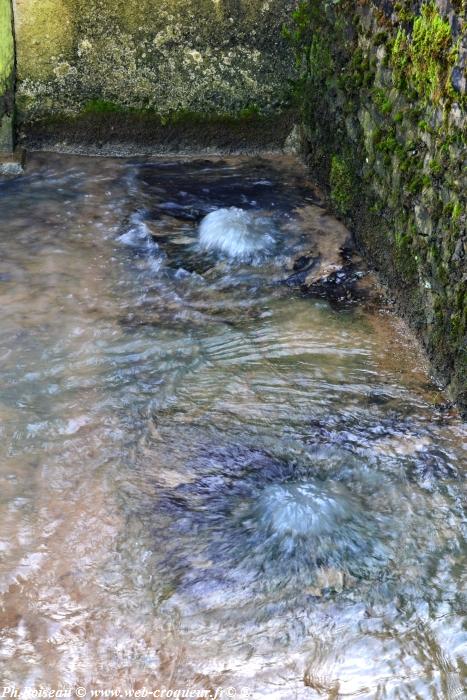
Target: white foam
138,235
236,234
303,509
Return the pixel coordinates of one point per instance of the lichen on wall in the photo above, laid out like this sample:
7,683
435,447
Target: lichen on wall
383,94
6,75
164,57
44,37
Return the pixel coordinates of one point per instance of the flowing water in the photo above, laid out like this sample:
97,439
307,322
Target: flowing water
209,478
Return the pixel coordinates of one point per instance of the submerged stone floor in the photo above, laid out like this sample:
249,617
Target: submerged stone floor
220,465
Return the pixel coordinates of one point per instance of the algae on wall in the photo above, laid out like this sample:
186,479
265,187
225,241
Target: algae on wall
383,93
7,62
161,57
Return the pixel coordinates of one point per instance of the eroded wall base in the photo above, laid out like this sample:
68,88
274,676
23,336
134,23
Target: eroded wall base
127,133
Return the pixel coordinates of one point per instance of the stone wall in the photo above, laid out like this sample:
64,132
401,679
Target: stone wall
6,77
87,68
384,130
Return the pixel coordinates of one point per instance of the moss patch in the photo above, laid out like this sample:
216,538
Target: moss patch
7,64
6,46
423,58
342,185
385,130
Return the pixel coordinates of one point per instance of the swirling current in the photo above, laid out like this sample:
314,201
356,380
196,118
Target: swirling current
214,472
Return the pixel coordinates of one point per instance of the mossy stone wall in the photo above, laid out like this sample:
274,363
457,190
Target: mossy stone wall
383,94
7,63
168,59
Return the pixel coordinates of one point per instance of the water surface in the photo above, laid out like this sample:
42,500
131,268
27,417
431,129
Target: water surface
209,478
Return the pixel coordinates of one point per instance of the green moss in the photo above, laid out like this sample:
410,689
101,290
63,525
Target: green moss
404,12
128,121
367,146
458,320
342,183
423,59
387,144
381,101
404,258
312,36
6,76
418,183
380,38
456,211
300,32
431,44
448,209
357,73
436,167
6,46
400,56
320,60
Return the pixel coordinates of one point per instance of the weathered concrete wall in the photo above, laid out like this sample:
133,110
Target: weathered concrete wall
385,131
6,76
162,61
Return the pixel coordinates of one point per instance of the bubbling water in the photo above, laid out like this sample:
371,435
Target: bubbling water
302,509
276,491
138,235
236,234
302,526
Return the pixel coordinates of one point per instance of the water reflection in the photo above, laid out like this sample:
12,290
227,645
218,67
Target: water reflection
207,477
